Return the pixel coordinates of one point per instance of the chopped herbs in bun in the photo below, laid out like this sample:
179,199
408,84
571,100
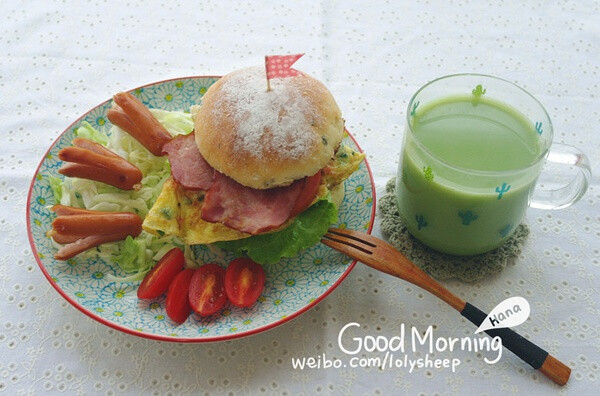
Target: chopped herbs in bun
263,172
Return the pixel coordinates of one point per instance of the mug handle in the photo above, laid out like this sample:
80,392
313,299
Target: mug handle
562,197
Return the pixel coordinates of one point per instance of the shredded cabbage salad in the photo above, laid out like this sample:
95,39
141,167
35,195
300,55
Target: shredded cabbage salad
133,255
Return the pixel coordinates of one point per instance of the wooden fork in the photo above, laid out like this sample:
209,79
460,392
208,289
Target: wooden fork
384,257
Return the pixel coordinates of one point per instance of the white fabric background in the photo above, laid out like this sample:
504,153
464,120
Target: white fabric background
58,59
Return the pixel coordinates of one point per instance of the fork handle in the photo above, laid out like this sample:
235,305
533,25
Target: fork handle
530,353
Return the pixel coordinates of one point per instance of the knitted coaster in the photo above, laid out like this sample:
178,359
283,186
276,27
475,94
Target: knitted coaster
440,265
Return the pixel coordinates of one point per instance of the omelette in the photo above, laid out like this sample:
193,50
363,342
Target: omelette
176,211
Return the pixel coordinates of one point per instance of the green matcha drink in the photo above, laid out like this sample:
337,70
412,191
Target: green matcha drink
468,166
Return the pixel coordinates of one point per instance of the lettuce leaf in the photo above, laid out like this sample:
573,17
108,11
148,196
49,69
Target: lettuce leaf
305,231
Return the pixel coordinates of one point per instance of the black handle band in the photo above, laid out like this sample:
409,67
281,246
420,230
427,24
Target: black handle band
522,347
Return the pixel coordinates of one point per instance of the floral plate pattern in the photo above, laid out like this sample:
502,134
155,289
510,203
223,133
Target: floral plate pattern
292,285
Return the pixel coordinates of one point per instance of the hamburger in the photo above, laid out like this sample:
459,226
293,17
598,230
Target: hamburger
262,174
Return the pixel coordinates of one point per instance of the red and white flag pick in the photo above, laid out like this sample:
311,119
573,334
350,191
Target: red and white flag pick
280,66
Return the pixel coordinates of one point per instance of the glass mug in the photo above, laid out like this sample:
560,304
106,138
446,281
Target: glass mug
473,150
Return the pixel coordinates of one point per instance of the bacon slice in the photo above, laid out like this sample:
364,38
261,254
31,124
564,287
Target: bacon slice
188,166
247,209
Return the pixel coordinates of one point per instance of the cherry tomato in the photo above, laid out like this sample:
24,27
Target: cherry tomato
244,282
178,303
207,289
308,193
157,281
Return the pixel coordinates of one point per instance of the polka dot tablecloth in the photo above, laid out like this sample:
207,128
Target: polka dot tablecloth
59,59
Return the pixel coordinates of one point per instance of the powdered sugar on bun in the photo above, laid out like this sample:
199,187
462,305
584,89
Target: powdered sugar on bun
264,139
271,121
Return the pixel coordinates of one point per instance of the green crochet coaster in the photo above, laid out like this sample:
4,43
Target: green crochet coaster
440,265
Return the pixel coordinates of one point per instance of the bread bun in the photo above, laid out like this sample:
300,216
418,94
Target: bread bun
264,139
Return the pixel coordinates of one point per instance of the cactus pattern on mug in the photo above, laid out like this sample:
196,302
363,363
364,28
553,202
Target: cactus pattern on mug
505,230
414,108
502,189
479,90
428,173
467,217
421,223
538,127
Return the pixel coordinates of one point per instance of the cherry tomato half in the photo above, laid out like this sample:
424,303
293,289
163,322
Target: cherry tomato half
207,290
157,281
178,303
244,282
311,187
